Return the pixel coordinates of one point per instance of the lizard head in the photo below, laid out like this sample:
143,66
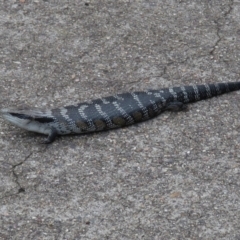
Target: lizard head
34,120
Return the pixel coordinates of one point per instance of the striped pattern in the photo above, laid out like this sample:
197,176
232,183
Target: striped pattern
116,111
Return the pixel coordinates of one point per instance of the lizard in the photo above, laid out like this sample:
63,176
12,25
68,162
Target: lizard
112,112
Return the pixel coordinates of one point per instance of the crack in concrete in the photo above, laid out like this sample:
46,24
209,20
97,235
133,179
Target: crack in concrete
21,188
219,27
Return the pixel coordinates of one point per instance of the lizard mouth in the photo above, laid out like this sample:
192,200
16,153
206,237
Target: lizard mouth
32,118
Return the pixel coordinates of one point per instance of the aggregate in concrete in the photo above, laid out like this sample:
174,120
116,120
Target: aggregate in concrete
175,177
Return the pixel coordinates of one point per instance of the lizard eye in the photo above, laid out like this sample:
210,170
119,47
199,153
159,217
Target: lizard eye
44,119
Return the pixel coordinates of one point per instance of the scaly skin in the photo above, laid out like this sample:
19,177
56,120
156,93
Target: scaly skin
114,111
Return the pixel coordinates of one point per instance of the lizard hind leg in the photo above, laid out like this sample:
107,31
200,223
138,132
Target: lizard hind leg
176,106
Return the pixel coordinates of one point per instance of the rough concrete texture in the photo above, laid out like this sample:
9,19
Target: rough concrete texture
175,177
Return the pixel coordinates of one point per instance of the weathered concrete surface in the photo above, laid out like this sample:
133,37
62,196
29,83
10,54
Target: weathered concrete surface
176,177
